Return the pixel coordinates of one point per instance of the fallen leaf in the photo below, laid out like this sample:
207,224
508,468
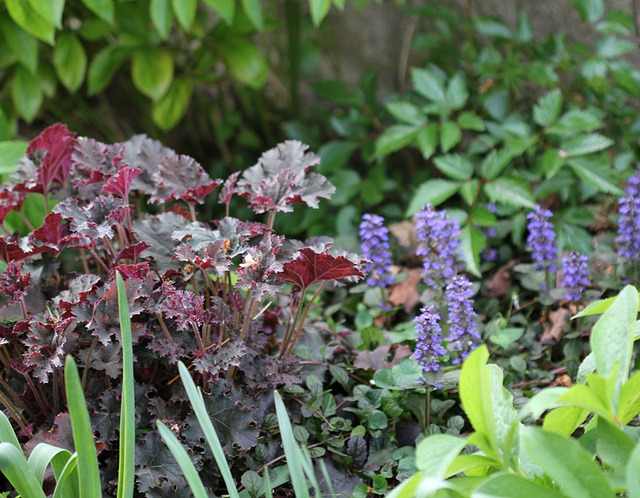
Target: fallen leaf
500,283
406,293
563,380
377,358
405,233
554,328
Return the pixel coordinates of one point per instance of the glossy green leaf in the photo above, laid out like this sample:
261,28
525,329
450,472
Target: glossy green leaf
14,467
170,109
450,135
226,9
69,61
104,65
185,11
473,241
22,44
509,191
406,112
495,163
585,144
456,93
567,463
428,84
455,166
629,401
26,94
152,72
319,10
161,13
28,19
427,140
394,138
548,107
505,485
433,191
589,10
49,10
245,62
435,454
10,153
102,8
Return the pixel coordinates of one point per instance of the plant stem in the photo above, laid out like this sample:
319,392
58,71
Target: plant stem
86,363
304,316
292,323
16,398
163,326
13,411
198,338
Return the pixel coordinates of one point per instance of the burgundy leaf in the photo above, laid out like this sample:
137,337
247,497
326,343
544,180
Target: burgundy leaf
228,188
167,348
281,178
51,236
139,271
311,267
93,162
120,183
12,250
133,251
47,343
157,230
214,363
210,256
13,282
262,265
145,153
185,307
10,199
181,177
79,288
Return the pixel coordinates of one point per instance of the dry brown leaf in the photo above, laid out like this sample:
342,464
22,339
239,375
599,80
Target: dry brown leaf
406,293
377,358
405,233
554,328
563,380
500,283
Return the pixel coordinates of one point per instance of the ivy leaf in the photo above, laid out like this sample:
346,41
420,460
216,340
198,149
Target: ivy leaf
181,177
281,178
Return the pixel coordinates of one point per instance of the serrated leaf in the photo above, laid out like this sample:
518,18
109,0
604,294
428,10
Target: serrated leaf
575,120
589,10
104,65
28,19
455,166
102,8
469,191
488,26
612,47
26,94
319,10
450,135
22,44
161,14
548,108
394,138
434,192
469,120
625,77
509,191
585,144
406,113
473,241
245,61
185,11
170,109
427,140
599,176
428,84
70,61
152,72
226,9
495,163
456,93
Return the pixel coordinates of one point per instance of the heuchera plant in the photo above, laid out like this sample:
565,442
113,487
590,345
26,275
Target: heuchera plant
224,296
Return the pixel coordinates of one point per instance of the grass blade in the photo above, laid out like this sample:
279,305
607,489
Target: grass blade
197,402
14,466
88,473
127,444
45,454
184,461
307,466
291,449
327,479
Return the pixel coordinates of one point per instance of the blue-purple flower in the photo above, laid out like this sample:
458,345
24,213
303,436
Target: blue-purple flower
629,222
541,239
429,349
438,244
462,320
575,271
374,241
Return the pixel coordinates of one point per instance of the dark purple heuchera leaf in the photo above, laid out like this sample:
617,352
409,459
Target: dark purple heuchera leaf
261,267
92,162
10,199
211,256
79,288
228,188
181,177
51,236
120,183
13,282
142,152
185,307
107,359
311,267
216,362
167,348
239,233
156,231
12,249
133,252
50,153
281,178
156,465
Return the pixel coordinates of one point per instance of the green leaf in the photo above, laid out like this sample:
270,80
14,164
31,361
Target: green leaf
161,14
435,454
548,108
394,138
244,61
170,109
26,94
104,65
104,9
28,19
291,449
596,307
597,174
335,155
509,191
495,163
22,44
152,72
505,485
473,241
629,402
488,26
585,144
456,93
469,120
433,191
49,10
524,31
482,217
587,397
185,11
505,337
570,467
406,113
226,9
450,135
45,454
14,467
10,153
589,10
427,140
613,445
573,121
319,10
455,166
336,91
469,191
552,161
612,47
632,474
428,84
254,13
69,61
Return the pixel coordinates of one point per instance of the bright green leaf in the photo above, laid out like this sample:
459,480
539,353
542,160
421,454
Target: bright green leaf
26,94
495,163
406,112
152,72
524,31
10,153
254,13
455,166
629,402
632,474
22,44
589,10
456,93
49,10
596,307
28,19
473,241
427,140
505,485
428,84
102,8
585,144
435,454
469,120
161,14
469,191
226,9
596,173
573,121
450,135
319,10
548,108
185,11
170,109
69,61
104,65
394,138
482,217
552,161
434,192
511,192
614,446
489,26
245,61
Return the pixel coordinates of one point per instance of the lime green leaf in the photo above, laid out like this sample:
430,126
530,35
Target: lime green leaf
427,140
524,31
456,93
10,153
505,337
469,120
504,485
152,72
495,163
574,121
26,94
28,19
226,9
319,10
22,44
185,11
245,61
596,307
450,135
613,445
629,402
395,138
570,467
161,14
102,8
590,398
589,10
596,173
70,61
406,112
454,166
510,191
49,10
170,109
254,13
428,84
548,108
435,454
632,474
433,191
104,65
472,244
585,144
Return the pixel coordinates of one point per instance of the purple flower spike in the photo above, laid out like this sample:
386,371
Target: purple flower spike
429,347
575,271
374,237
541,239
438,244
463,320
629,223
